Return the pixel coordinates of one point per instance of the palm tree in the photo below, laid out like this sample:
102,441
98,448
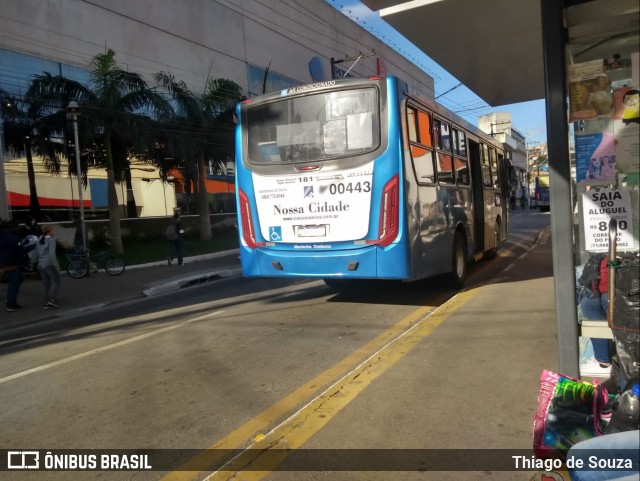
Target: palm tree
201,124
17,132
26,132
115,103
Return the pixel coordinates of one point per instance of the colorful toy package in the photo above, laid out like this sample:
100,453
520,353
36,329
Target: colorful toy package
569,411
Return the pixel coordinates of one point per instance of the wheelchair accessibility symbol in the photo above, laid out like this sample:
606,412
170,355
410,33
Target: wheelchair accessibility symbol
275,233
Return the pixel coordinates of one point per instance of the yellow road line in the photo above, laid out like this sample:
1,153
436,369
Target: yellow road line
254,427
295,431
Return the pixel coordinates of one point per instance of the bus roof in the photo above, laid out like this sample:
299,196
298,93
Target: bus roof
359,81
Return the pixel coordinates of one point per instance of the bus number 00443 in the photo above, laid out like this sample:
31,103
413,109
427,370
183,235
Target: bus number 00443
350,187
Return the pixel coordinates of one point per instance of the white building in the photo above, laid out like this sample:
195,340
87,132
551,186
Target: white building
499,126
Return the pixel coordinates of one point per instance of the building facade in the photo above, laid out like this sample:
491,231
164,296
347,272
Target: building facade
499,126
262,46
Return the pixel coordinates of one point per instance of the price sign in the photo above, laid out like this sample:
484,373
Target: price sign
599,207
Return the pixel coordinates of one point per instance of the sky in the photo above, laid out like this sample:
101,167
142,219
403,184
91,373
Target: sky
528,118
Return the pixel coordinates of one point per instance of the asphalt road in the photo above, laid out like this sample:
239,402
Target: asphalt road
214,365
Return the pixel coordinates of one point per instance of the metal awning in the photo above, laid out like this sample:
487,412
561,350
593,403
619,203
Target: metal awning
495,47
510,51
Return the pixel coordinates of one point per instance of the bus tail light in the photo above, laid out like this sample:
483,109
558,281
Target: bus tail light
246,218
389,212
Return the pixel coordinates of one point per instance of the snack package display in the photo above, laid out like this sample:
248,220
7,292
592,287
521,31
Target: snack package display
569,411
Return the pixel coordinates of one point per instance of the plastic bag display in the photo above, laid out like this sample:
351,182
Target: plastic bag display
626,321
569,411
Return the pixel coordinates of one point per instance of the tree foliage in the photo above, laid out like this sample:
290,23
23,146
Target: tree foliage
200,133
115,111
123,118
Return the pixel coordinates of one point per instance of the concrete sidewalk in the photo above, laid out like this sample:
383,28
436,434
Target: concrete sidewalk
465,378
100,289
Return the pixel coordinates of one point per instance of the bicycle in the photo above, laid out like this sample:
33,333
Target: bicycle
81,263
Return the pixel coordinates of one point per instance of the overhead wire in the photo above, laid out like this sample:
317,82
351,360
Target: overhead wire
298,7
263,21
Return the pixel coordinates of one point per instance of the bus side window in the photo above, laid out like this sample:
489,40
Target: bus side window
486,170
462,171
445,159
423,164
419,126
412,121
460,162
460,143
424,129
494,168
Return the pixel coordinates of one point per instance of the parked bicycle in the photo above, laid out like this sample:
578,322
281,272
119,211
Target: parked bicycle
81,263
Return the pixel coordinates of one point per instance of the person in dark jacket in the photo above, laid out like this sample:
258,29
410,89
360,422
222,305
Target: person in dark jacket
32,228
11,261
30,234
178,242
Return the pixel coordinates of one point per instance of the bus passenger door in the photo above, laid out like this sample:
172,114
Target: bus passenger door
478,196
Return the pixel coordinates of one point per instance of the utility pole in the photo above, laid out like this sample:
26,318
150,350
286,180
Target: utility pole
5,211
73,110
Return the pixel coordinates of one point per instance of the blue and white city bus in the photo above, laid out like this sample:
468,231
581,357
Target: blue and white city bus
357,179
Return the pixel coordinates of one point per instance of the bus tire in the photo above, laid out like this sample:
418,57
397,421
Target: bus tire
459,262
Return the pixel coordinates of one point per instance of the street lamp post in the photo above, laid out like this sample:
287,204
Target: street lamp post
5,210
73,110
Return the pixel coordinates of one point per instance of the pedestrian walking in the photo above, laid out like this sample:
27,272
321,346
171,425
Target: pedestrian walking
175,234
11,262
48,267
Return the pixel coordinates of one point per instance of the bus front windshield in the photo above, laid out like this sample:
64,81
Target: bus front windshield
314,127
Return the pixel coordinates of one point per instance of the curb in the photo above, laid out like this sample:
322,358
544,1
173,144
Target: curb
188,281
187,260
160,287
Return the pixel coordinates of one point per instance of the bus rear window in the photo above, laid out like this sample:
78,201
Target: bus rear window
314,127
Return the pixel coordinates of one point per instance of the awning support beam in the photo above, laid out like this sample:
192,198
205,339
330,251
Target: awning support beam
562,239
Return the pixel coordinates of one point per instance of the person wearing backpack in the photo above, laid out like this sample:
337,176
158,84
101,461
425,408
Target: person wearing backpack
11,263
175,235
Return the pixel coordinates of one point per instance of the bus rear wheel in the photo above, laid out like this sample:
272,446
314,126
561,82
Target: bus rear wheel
459,262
